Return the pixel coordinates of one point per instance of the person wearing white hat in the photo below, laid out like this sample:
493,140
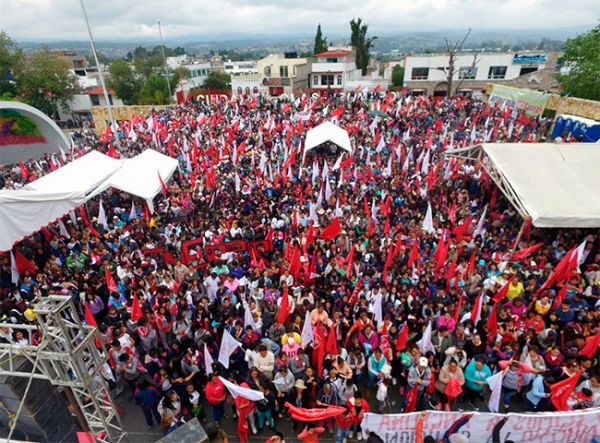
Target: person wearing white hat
419,375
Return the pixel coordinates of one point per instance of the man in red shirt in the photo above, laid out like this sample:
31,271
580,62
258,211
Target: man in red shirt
215,395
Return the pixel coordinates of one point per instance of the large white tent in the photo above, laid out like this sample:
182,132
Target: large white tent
327,133
50,197
24,212
554,184
139,176
82,174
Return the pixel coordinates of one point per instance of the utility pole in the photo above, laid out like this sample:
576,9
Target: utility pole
113,124
164,61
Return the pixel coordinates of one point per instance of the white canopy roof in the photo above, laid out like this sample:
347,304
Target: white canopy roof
82,174
24,212
327,132
139,176
554,184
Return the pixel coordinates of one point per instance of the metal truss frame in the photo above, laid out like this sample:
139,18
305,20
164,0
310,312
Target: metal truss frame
66,356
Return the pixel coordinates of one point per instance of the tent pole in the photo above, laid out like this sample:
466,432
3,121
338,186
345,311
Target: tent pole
518,239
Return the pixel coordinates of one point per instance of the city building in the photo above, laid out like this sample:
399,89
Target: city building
279,71
427,73
240,67
335,70
249,83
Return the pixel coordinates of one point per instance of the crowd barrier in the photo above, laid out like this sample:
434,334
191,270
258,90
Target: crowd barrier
552,427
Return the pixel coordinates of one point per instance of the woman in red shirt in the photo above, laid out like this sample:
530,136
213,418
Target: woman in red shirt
215,395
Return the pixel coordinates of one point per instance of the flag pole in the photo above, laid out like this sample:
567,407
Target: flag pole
518,239
104,90
164,60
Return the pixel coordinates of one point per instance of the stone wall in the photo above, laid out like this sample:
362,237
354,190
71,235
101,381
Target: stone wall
100,114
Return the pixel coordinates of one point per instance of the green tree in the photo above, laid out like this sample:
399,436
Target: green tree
361,43
45,82
320,42
10,57
124,81
581,58
154,91
217,80
397,75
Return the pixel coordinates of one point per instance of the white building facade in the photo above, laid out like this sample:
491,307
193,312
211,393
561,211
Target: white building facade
427,74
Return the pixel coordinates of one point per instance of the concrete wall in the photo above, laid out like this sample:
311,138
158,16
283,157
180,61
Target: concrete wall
100,114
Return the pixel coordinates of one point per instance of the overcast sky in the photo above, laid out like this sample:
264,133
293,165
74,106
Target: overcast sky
135,19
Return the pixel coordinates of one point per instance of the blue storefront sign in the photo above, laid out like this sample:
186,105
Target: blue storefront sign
529,58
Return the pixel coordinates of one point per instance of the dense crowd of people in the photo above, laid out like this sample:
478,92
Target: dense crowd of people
393,268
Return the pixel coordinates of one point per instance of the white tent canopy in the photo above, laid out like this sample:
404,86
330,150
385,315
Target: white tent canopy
24,212
327,132
82,174
139,176
554,184
50,197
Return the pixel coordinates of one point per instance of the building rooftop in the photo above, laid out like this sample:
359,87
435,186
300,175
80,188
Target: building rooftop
98,91
333,54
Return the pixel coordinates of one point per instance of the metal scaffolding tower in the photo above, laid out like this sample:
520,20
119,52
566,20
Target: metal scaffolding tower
66,356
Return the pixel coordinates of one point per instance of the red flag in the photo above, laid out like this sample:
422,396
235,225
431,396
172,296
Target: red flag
411,399
23,264
316,414
284,309
295,263
591,346
414,255
476,312
89,317
560,297
310,235
520,255
136,309
110,281
24,171
377,88
492,324
349,262
162,183
346,163
452,213
320,350
471,265
451,270
562,390
457,311
370,228
501,293
332,231
337,113
402,338
331,347
86,221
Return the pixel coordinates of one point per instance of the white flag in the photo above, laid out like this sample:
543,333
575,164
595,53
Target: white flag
228,345
248,319
325,172
307,331
378,309
428,221
425,163
480,223
580,252
315,172
14,272
62,154
495,384
132,213
237,183
337,164
527,376
327,189
239,391
425,342
63,230
102,216
208,361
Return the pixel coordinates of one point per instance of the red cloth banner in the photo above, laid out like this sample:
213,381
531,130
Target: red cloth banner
303,414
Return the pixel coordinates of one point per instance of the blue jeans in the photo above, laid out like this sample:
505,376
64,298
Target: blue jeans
265,417
507,395
341,434
218,411
148,413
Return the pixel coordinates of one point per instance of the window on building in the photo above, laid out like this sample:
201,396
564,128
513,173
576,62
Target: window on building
267,71
339,80
497,72
110,99
420,73
465,92
283,71
247,90
467,73
240,91
315,80
95,100
255,90
332,60
327,80
528,70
